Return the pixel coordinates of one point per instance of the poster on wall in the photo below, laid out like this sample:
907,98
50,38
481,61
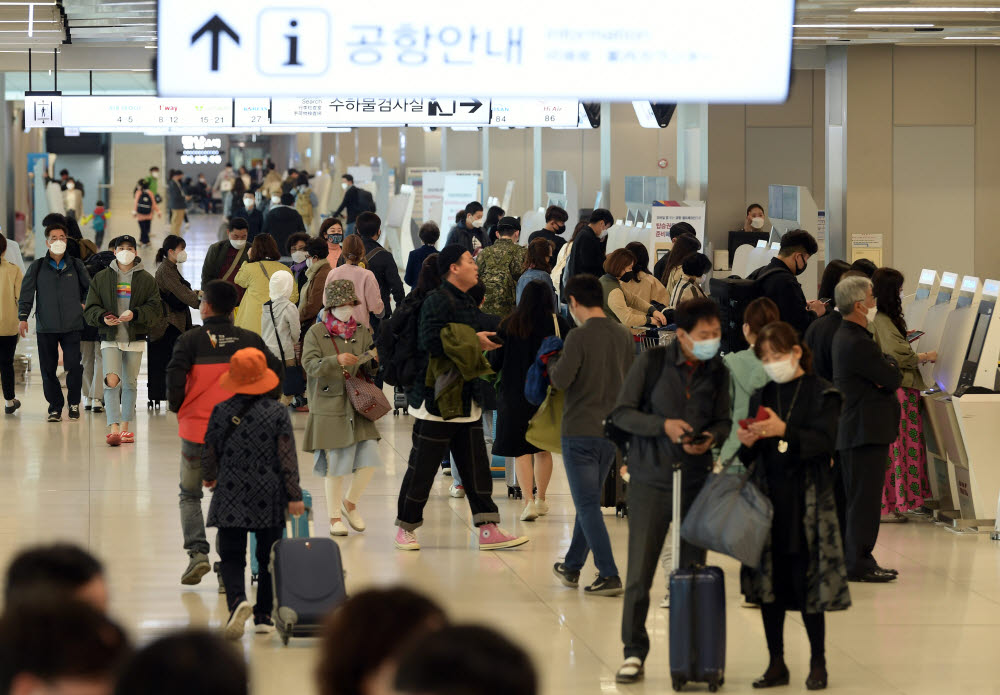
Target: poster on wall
415,178
433,195
667,213
867,246
459,189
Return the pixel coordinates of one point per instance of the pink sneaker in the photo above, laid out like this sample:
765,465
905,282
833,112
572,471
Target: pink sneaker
492,537
406,540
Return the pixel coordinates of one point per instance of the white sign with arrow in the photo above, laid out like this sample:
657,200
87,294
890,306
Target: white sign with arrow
342,111
676,51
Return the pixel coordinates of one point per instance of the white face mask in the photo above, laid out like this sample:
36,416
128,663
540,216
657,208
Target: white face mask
309,263
125,257
871,314
298,256
248,203
156,174
238,243
757,222
343,313
782,371
478,224
58,247
345,185
182,256
275,200
70,186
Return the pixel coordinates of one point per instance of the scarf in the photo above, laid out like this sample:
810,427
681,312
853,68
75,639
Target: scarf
342,329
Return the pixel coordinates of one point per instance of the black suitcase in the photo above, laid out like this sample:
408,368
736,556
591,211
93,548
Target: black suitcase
697,615
308,580
399,401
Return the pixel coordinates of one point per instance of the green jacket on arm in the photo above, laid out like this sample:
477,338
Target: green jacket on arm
145,304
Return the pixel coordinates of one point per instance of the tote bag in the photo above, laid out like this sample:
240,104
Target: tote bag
545,426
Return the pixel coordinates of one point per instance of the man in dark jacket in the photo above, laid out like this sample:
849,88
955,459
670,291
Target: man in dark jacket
380,262
587,255
555,225
869,422
777,280
61,284
468,232
282,221
351,202
671,395
433,436
675,231
201,356
225,257
253,216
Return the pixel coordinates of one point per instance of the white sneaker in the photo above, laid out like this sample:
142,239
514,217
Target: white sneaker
337,528
529,513
353,518
542,507
457,491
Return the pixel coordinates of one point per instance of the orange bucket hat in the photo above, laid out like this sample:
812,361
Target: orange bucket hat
249,374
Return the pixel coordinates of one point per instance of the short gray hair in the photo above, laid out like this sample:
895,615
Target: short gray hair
850,291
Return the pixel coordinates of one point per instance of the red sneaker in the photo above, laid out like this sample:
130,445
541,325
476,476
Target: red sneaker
113,439
128,438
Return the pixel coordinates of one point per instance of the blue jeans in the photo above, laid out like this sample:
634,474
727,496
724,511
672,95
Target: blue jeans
350,229
119,402
588,461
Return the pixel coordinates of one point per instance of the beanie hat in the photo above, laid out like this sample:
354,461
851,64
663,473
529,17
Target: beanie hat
280,285
448,256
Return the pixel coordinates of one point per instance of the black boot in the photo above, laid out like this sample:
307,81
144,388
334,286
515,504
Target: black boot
817,676
775,675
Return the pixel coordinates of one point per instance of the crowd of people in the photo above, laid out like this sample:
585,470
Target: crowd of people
836,443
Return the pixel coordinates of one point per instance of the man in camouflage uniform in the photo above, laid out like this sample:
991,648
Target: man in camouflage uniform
500,267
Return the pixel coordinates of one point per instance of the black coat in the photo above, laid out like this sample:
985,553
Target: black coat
463,236
819,340
512,361
549,235
61,295
587,255
868,379
783,288
255,222
352,202
281,221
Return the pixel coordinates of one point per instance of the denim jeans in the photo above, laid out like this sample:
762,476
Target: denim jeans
93,370
119,402
350,229
227,203
588,461
192,520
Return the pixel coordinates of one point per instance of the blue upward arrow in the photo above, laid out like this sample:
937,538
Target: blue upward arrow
216,26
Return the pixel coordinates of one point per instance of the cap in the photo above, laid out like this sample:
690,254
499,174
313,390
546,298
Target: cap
509,223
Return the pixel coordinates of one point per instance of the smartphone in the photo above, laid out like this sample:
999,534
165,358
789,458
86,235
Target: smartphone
761,415
695,439
913,336
497,339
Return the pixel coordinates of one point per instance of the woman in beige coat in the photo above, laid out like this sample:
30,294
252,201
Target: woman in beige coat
10,290
344,443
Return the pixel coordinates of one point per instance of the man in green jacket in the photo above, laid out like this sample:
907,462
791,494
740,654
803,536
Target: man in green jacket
500,267
123,303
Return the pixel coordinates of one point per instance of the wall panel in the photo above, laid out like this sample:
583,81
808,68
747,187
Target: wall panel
987,236
934,85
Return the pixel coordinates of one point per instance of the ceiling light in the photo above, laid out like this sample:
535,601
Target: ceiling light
926,10
860,26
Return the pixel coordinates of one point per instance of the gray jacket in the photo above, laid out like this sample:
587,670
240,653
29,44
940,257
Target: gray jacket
175,196
61,295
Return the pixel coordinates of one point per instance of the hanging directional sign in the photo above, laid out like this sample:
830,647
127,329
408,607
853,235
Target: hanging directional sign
146,112
669,51
361,111
530,113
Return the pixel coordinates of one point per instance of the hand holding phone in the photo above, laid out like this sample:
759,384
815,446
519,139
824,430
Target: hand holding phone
759,417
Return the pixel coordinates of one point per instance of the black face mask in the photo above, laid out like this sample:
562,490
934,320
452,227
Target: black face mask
630,276
799,271
335,238
560,229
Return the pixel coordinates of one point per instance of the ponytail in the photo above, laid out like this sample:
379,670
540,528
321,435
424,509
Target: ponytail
169,244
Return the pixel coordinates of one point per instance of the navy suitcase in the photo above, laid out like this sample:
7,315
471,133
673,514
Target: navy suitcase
697,615
296,527
308,580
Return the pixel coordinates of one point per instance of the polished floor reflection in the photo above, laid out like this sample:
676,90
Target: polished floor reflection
932,631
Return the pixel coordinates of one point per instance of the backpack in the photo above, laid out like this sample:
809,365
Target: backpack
145,204
304,206
397,344
733,295
366,203
98,262
366,262
98,223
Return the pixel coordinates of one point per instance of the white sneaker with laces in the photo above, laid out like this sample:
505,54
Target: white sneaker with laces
529,513
457,491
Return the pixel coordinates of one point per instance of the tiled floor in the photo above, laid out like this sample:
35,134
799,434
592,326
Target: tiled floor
931,632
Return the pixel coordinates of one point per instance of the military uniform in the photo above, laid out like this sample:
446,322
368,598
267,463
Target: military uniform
500,266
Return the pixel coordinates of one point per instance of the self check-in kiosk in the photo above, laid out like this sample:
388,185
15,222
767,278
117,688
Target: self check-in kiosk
915,310
937,315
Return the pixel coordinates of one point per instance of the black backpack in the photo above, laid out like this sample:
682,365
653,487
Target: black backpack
145,204
397,344
366,202
733,294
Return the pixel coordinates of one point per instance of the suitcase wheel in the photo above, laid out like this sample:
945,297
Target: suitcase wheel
678,684
284,638
253,579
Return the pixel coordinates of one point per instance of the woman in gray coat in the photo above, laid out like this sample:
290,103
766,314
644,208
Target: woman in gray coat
344,443
178,300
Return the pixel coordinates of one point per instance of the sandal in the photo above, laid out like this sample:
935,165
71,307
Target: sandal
128,438
113,439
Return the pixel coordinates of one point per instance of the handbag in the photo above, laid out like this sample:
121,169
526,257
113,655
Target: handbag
545,426
293,378
731,516
365,396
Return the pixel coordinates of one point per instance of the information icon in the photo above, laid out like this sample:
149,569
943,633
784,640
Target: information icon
293,41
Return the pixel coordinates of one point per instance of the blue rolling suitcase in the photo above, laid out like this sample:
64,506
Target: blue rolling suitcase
308,582
301,527
697,615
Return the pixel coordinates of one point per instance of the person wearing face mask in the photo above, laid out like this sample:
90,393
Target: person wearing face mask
249,212
201,357
555,226
263,261
802,566
344,445
906,483
177,202
627,310
640,282
56,286
468,230
694,270
223,187
778,282
281,330
225,258
296,250
11,277
500,267
143,209
202,195
178,300
869,423
306,201
283,220
370,301
351,202
674,405
332,230
589,246
317,270
755,219
124,303
73,198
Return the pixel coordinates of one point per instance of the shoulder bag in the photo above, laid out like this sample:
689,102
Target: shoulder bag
293,382
545,426
365,396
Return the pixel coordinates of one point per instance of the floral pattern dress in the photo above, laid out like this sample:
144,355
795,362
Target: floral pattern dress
906,482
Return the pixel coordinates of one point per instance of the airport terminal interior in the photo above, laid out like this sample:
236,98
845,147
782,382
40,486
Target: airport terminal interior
870,124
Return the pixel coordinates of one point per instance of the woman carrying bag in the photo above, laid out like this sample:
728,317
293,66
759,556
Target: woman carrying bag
802,566
280,329
263,261
343,441
178,300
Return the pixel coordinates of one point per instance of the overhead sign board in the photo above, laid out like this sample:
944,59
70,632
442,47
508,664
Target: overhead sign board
43,110
530,113
252,113
146,112
379,111
672,51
